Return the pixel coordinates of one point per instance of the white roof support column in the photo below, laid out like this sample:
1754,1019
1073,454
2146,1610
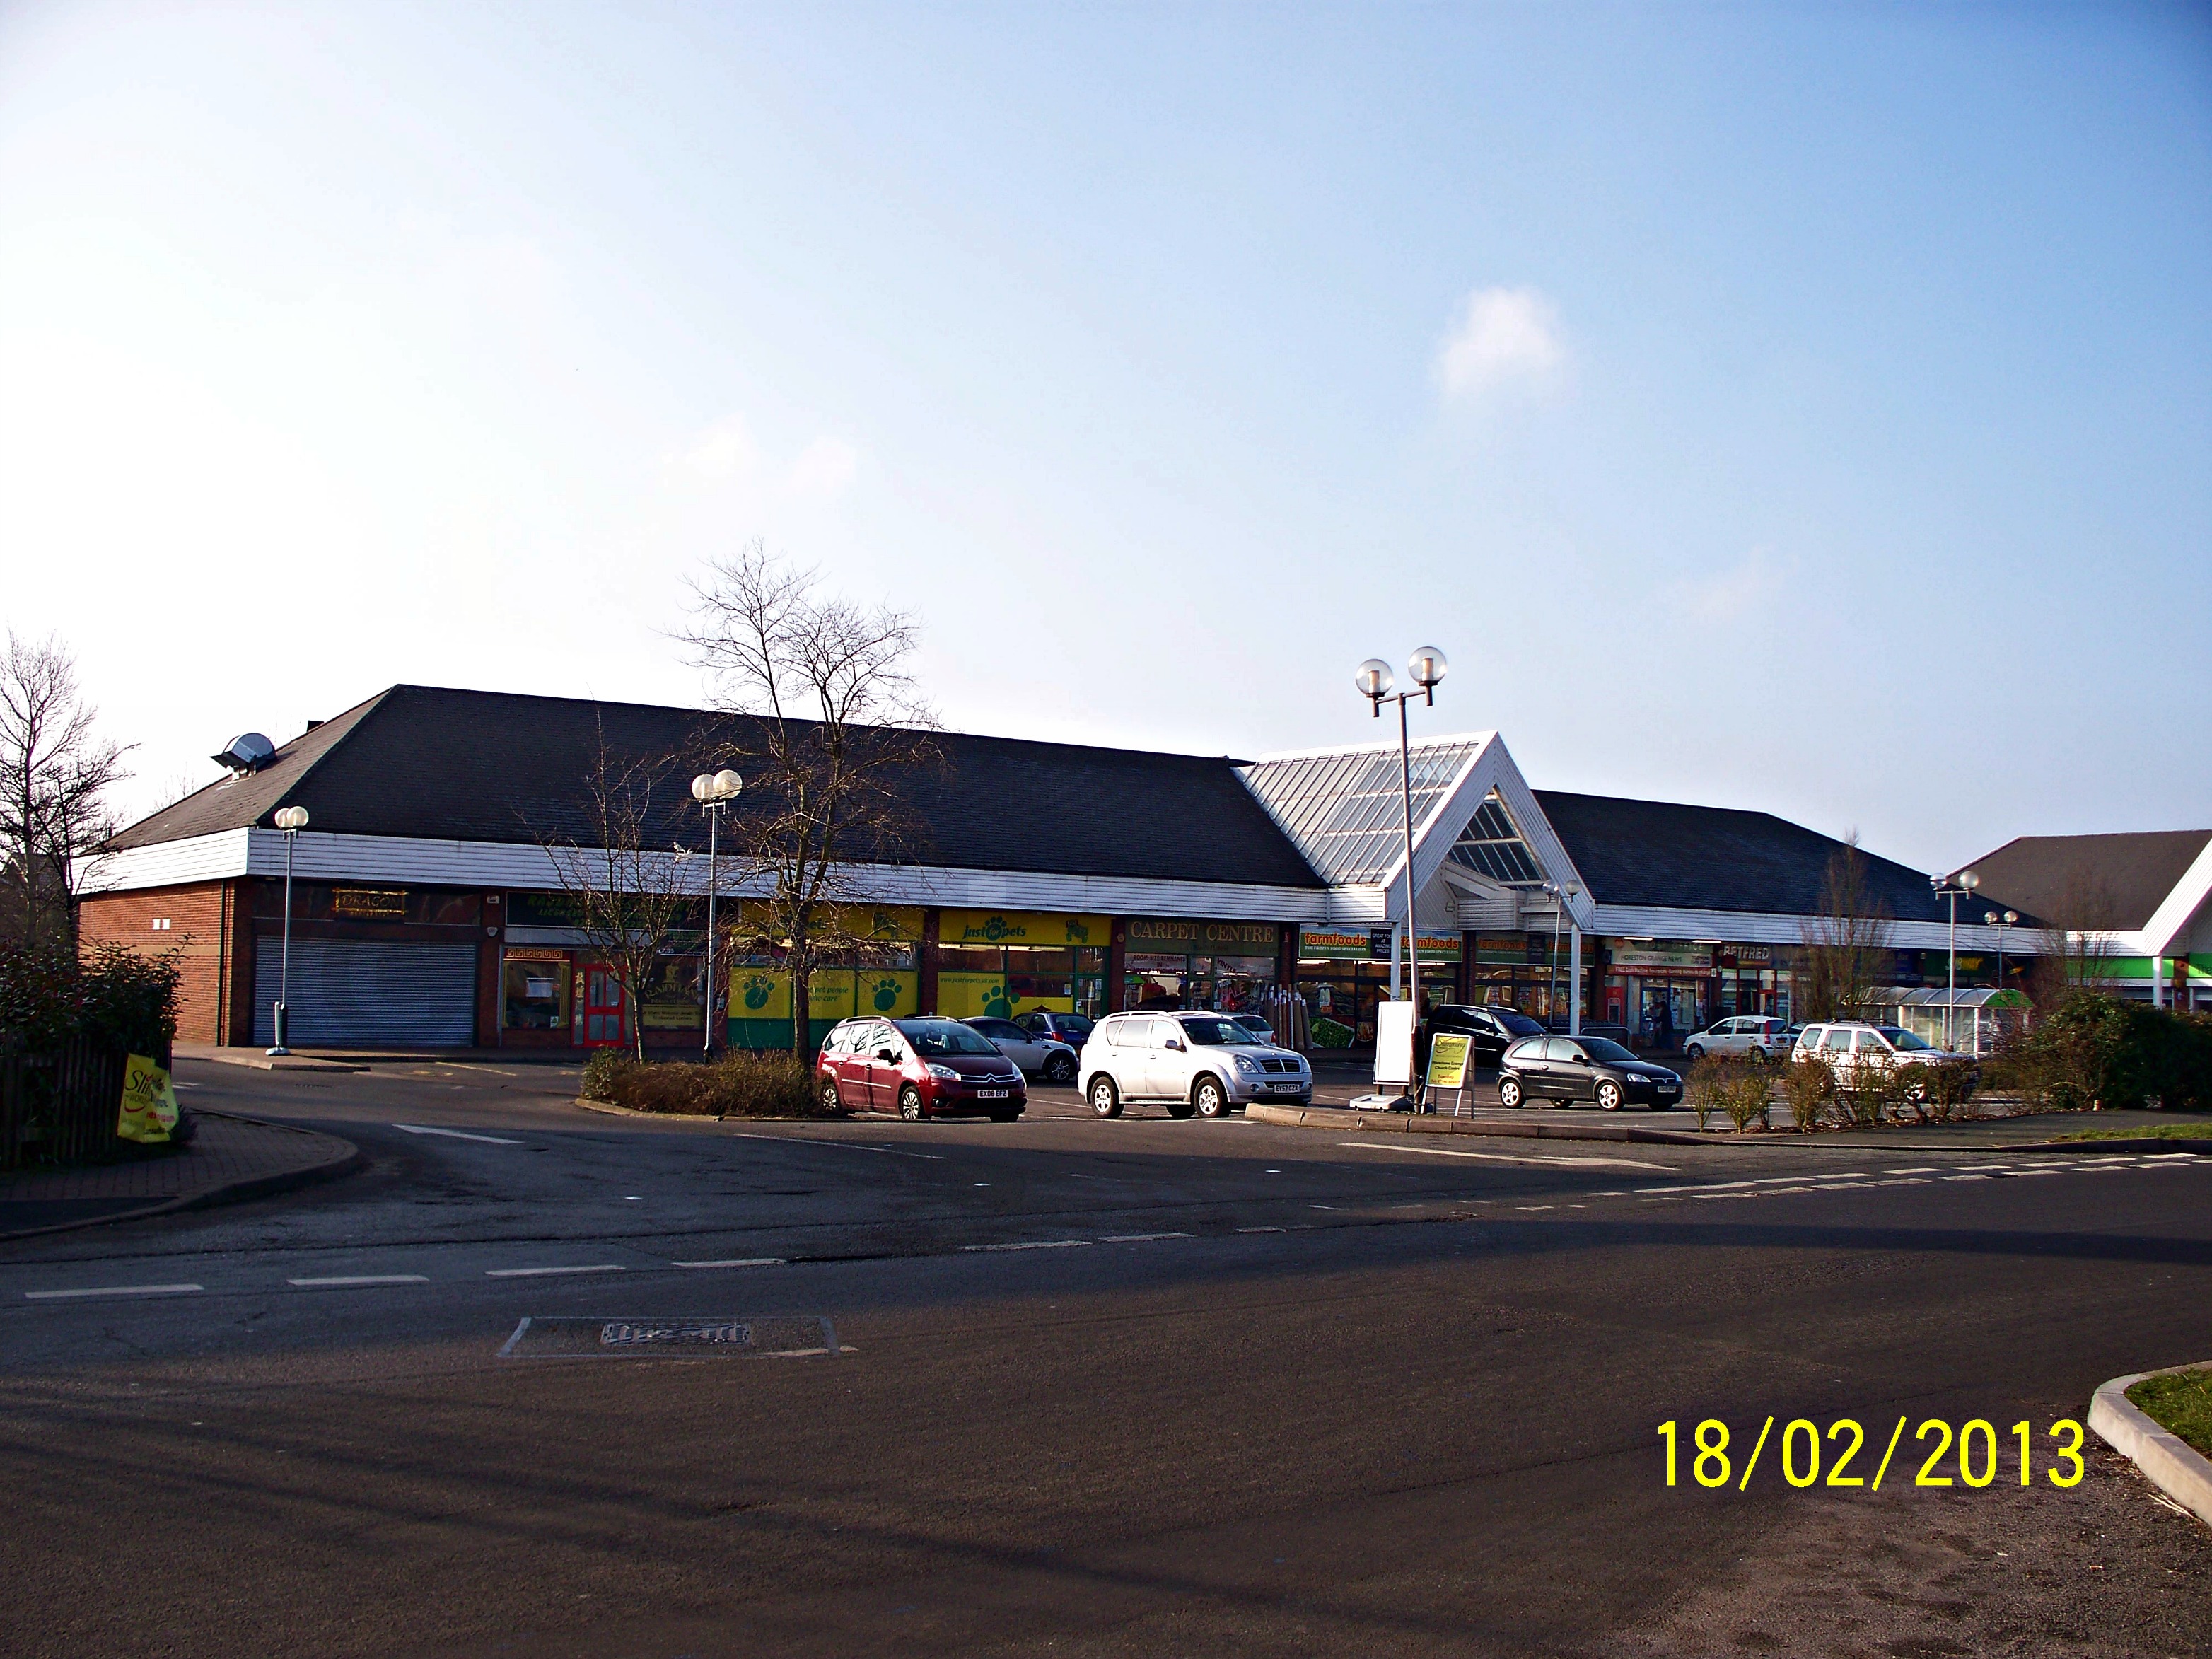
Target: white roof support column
1575,979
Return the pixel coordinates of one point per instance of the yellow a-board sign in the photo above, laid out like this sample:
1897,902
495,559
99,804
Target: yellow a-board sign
1448,1058
149,1103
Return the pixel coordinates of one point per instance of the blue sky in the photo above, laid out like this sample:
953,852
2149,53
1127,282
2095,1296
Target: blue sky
1806,409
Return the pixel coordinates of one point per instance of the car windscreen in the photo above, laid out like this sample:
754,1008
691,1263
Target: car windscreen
1900,1038
944,1036
1515,1024
1217,1033
1075,1025
1606,1049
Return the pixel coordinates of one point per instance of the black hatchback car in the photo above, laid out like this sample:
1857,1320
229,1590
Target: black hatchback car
1567,1069
1490,1029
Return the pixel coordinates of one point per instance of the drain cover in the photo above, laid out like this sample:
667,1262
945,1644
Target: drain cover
783,1336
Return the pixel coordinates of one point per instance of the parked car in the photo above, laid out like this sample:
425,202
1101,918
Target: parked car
1037,1056
1261,1031
1491,1028
1568,1069
1074,1030
1194,1062
918,1068
1746,1036
1851,1047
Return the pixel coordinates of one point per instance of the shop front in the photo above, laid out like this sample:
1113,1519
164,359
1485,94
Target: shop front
1533,972
1661,990
1342,977
1224,965
876,970
1004,963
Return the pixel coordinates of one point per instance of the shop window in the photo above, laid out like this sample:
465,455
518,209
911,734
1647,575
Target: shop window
536,996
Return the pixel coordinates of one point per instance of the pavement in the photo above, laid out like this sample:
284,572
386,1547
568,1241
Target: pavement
1094,1388
227,1159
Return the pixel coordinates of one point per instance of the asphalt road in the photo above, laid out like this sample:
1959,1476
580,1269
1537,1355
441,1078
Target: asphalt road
1080,1386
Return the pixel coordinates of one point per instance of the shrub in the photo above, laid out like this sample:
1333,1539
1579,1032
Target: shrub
50,995
740,1084
2093,1050
1743,1097
1809,1088
1708,1086
1949,1085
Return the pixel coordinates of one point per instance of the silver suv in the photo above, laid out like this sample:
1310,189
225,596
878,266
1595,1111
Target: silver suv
1193,1062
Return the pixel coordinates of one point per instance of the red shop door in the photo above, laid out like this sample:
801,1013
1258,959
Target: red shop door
601,1021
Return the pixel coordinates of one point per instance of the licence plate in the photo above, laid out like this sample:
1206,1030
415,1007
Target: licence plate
1284,1088
991,1094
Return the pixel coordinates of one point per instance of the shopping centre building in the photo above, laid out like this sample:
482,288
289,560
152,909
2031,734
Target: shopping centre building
433,901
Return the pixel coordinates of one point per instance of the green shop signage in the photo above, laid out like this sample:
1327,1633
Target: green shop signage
1350,945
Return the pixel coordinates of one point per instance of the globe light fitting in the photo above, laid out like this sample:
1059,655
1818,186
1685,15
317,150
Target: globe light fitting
290,818
1374,681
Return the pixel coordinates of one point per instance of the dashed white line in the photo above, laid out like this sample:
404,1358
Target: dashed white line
113,1290
741,1261
1509,1158
455,1134
1033,1245
345,1281
1136,1238
548,1272
843,1145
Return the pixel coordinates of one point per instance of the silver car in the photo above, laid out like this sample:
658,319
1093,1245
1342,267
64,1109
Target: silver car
1038,1056
1192,1062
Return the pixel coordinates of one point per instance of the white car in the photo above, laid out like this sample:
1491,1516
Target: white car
1849,1047
1747,1036
1193,1062
1037,1056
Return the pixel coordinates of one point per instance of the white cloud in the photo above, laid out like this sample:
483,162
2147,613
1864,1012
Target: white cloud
1503,336
1730,595
724,450
824,467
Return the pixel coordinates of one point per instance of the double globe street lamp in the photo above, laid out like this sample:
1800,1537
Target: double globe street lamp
1954,888
714,791
291,820
1425,668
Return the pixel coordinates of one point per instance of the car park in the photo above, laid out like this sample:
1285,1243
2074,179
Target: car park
1742,1036
1490,1028
1037,1056
1562,1070
1191,1062
1074,1030
1850,1047
918,1069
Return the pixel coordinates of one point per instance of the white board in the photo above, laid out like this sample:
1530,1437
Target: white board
1394,1044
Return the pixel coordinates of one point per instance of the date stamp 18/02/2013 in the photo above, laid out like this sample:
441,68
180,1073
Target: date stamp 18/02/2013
1806,1450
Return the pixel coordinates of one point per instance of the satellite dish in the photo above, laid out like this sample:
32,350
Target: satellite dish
249,751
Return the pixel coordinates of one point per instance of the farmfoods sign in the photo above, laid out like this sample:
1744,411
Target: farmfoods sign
1348,944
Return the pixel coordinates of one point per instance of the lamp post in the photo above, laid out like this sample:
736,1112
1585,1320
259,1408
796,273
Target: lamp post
1560,897
1953,888
291,820
714,791
1425,667
2005,925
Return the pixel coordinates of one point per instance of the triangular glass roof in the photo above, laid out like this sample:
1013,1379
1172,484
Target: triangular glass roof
1343,809
1492,846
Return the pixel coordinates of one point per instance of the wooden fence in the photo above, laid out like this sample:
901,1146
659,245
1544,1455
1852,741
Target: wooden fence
61,1105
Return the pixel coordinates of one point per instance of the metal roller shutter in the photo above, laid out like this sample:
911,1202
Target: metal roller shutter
350,993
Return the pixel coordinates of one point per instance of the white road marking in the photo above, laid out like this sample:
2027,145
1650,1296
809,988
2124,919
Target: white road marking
547,1272
1508,1158
473,1065
1260,1230
1034,1244
113,1290
743,1261
343,1280
846,1145
1136,1238
456,1134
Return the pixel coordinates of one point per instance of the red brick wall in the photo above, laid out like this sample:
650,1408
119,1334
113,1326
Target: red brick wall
198,926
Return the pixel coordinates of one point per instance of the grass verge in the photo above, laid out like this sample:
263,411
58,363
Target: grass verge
2156,1132
2180,1403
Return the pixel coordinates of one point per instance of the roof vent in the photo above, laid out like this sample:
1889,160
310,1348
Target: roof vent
249,751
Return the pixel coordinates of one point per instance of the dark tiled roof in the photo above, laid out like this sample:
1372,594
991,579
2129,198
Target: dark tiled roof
420,760
1714,858
2090,882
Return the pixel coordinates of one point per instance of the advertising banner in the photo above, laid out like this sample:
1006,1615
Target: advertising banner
150,1103
1022,927
1685,958
1447,1058
893,923
1348,944
1165,935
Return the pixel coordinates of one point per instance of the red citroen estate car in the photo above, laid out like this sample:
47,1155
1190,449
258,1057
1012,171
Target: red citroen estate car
920,1069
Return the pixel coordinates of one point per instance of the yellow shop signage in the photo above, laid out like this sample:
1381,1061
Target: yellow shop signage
1046,927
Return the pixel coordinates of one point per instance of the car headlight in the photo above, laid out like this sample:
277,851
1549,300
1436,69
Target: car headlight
945,1074
1247,1065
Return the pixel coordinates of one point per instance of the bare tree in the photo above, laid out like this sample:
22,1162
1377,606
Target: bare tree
1844,941
623,892
2077,938
837,731
55,774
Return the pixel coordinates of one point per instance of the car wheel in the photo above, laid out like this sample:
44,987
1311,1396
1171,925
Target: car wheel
830,1103
1756,1056
1105,1098
1695,1051
1608,1095
1508,1090
1061,1069
1210,1098
910,1103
